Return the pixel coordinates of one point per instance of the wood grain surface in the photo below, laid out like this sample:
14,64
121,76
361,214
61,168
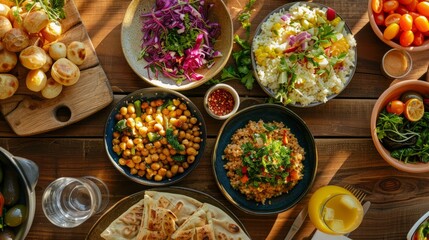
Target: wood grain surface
341,129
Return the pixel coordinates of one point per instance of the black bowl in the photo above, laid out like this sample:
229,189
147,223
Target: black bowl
149,94
266,112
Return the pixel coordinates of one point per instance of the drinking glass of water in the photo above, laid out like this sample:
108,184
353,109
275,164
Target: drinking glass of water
68,202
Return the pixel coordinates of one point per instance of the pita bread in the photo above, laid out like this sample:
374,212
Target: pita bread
127,225
197,226
182,206
170,216
224,226
158,223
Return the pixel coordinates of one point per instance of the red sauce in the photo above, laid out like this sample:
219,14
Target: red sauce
220,102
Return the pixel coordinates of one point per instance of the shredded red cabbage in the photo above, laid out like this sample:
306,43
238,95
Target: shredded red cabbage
178,39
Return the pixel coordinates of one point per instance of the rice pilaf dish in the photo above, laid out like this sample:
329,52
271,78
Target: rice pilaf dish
264,160
304,54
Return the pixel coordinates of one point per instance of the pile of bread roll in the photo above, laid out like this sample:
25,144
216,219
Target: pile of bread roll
32,40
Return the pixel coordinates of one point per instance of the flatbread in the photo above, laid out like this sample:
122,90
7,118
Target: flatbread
197,226
169,216
158,223
182,206
224,226
127,225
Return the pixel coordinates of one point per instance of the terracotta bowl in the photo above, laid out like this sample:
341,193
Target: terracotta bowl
131,37
394,92
393,44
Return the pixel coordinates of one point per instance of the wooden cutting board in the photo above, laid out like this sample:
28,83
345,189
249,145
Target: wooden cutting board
28,113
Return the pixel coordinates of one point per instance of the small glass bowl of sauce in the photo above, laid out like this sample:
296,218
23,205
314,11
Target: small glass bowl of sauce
221,101
396,63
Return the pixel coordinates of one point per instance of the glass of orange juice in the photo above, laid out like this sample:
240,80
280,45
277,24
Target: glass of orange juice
335,210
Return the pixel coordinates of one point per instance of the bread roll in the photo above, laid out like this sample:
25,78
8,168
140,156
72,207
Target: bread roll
36,80
33,57
52,31
35,21
8,59
5,25
8,85
7,3
65,72
57,50
47,66
15,40
76,52
4,10
52,89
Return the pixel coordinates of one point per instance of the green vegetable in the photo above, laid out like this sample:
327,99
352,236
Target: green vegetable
266,164
53,8
138,107
423,231
16,215
398,129
242,67
153,136
121,125
11,188
178,158
270,127
167,104
172,140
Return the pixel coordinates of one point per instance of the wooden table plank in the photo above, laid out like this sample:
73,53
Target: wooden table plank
341,128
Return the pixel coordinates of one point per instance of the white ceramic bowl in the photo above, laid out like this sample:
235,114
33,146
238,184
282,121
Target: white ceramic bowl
416,226
208,99
285,9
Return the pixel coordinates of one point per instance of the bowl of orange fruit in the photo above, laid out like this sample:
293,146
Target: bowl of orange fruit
400,125
402,24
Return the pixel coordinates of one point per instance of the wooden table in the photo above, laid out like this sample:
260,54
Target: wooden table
341,128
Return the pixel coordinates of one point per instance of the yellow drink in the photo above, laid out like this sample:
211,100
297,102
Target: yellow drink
335,210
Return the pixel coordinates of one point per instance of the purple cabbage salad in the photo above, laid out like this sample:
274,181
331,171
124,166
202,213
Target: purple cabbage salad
178,39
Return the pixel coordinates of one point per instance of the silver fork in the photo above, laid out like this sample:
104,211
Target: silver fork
359,194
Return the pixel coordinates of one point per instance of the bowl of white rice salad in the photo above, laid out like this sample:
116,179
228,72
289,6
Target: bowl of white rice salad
303,54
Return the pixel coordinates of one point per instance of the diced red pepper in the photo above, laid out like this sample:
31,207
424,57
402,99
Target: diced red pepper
285,139
244,179
294,175
244,170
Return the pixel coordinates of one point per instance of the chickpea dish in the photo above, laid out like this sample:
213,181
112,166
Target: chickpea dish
156,139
